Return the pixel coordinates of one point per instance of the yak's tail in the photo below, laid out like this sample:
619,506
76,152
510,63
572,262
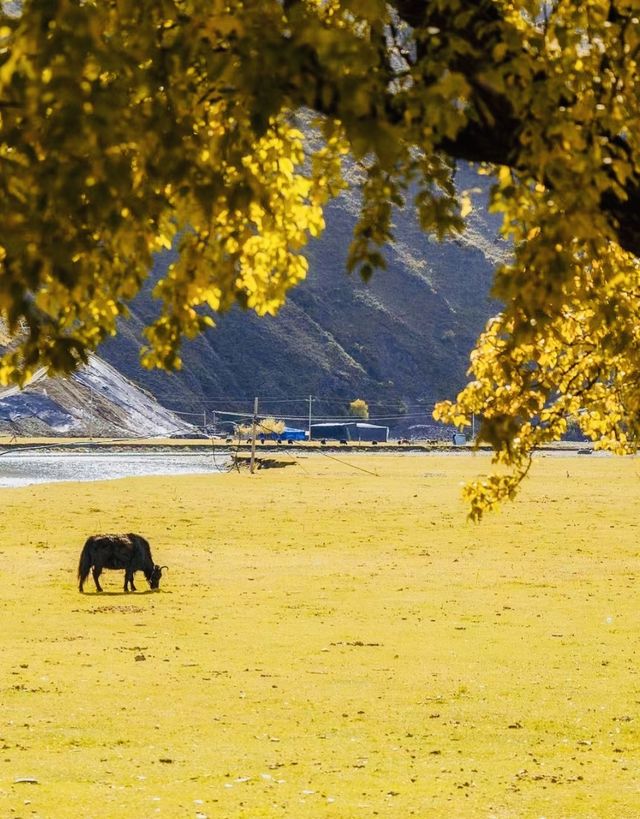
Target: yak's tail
86,561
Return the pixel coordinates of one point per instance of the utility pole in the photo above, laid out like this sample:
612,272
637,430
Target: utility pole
253,436
204,421
310,400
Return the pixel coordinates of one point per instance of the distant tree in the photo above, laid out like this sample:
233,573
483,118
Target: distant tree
359,408
128,126
270,425
264,426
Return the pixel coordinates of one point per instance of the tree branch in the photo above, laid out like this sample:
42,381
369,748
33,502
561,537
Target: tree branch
493,132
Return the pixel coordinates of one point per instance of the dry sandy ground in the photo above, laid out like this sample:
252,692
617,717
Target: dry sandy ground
328,642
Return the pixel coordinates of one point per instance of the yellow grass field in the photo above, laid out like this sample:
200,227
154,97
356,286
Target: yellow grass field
327,642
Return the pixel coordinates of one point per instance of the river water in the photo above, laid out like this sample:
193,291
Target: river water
53,467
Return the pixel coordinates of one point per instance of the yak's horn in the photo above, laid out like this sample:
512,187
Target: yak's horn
164,567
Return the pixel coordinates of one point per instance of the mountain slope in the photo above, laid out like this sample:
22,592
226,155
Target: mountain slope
402,339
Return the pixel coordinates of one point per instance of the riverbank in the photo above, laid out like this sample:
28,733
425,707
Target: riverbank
26,466
327,642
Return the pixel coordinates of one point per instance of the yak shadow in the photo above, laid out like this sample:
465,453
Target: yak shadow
120,593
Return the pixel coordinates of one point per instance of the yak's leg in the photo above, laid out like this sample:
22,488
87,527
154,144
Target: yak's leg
128,580
96,574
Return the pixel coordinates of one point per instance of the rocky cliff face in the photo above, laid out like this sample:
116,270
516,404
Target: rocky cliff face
97,401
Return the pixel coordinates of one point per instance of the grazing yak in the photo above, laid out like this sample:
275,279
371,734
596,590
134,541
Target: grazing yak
129,552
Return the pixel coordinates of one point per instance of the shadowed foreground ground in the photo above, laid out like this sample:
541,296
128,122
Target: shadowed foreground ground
326,643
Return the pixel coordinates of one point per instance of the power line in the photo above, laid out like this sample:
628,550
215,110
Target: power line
179,396
336,418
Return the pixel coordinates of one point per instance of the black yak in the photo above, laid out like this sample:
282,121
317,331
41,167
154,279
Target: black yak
129,552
